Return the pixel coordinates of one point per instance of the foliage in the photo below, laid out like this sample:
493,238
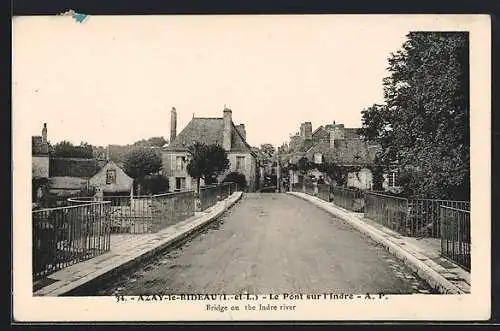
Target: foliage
377,177
140,162
424,126
236,177
67,149
304,165
151,142
267,149
153,184
206,161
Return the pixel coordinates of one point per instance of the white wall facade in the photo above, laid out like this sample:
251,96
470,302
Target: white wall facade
40,166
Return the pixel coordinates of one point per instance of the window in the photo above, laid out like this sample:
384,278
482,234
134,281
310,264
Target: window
393,179
179,163
318,158
111,176
180,183
240,163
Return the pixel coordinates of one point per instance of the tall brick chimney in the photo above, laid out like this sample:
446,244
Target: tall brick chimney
307,130
173,124
226,133
44,133
241,129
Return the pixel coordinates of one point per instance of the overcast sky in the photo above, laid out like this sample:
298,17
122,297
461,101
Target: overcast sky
113,80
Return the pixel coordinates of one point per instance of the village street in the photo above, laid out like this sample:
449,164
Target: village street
271,243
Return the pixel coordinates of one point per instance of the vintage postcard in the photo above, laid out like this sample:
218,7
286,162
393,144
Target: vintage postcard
251,168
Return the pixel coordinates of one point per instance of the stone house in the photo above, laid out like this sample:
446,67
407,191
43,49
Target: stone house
219,131
334,143
40,165
112,180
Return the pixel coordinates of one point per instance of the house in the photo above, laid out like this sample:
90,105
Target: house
112,180
219,131
40,155
40,165
334,143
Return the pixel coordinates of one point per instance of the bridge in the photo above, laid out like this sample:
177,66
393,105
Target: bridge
263,242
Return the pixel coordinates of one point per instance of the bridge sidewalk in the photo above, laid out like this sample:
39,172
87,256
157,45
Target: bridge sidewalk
126,250
422,255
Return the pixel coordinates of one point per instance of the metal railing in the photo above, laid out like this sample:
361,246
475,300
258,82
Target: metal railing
67,235
208,196
127,214
310,188
387,210
347,198
324,192
455,235
409,217
211,194
170,208
424,216
297,187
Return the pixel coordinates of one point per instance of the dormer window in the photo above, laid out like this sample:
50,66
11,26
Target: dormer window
111,176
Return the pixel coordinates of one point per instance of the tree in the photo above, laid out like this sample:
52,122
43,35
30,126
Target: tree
151,142
267,149
206,161
67,149
424,126
153,184
236,177
304,165
140,163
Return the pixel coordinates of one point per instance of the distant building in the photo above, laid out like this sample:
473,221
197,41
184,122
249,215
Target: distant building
334,143
40,155
218,131
112,180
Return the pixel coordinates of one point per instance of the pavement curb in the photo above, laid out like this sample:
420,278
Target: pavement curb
432,277
86,283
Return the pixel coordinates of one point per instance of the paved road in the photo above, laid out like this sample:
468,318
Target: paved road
272,243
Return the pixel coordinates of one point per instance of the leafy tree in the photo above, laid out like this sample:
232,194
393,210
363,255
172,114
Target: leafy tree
151,142
67,149
424,126
267,149
153,184
140,163
236,177
206,161
304,165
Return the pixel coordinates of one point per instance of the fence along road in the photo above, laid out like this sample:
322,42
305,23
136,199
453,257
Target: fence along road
272,243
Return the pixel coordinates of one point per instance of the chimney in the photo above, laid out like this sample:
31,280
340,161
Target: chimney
226,133
173,124
307,130
44,133
242,131
332,138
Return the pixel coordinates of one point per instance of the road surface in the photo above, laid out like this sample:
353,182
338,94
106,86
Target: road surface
272,243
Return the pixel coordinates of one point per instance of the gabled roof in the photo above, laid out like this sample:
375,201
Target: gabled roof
345,152
123,181
319,128
208,131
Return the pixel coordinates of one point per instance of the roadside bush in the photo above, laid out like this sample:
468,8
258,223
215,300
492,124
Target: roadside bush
237,178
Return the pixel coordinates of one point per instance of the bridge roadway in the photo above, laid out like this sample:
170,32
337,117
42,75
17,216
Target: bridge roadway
272,243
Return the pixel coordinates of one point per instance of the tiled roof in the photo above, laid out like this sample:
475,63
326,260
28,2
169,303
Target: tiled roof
351,133
208,131
345,152
123,181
